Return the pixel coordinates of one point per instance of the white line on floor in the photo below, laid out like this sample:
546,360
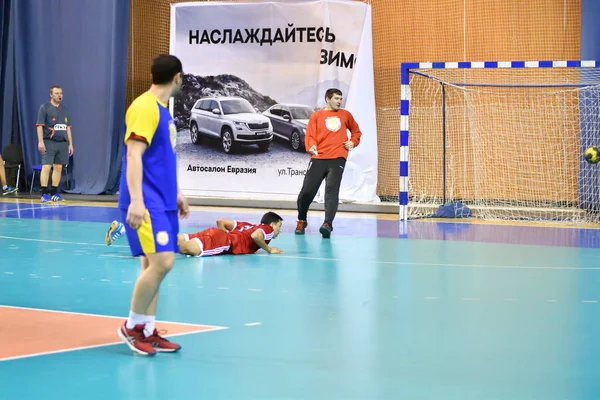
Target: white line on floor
341,260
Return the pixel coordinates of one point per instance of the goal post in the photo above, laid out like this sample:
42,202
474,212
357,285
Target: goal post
504,138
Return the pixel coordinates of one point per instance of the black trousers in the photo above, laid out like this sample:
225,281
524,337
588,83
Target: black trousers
331,170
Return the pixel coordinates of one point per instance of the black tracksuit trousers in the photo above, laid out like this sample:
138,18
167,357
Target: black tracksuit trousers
318,169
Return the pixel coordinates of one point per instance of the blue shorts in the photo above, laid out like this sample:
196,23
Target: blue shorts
156,235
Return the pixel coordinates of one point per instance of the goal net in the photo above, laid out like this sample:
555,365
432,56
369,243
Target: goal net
504,138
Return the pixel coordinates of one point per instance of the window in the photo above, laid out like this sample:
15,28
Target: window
237,106
301,112
205,106
276,110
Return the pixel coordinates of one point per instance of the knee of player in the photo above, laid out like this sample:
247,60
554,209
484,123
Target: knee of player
190,247
181,239
164,262
169,263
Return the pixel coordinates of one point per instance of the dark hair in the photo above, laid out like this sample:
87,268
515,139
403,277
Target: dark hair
164,68
270,218
331,92
54,87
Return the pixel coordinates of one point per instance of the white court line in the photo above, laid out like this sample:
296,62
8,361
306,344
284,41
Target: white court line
58,241
211,329
106,316
93,347
252,324
423,264
25,209
346,260
589,301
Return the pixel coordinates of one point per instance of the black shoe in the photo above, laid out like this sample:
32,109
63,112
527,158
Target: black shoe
300,227
325,230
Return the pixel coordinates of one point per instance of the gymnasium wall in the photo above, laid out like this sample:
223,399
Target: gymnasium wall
409,30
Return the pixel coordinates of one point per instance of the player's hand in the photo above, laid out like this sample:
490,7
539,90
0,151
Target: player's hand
42,147
71,150
313,150
275,250
136,214
349,145
183,206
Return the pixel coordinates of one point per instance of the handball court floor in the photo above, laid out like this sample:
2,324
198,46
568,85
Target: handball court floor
435,310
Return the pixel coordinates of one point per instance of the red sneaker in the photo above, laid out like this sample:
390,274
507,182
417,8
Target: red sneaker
135,339
161,344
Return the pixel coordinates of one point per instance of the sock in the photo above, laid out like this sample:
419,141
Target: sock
122,230
150,321
4,187
134,319
44,190
54,190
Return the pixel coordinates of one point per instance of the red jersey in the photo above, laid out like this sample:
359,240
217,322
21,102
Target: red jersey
328,131
241,237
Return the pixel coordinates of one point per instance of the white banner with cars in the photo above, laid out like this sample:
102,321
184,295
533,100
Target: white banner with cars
254,73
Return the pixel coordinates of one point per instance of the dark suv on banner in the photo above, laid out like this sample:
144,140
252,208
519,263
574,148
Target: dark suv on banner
289,122
233,120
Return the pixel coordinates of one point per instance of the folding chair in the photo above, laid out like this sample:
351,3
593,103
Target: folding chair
38,169
13,159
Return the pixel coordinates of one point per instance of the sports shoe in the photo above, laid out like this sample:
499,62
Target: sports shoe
161,344
57,198
300,227
135,339
325,230
9,190
46,198
113,233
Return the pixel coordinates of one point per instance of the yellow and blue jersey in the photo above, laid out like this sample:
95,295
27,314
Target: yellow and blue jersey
149,119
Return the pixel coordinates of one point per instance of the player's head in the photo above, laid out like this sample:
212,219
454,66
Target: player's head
274,220
333,99
56,94
167,71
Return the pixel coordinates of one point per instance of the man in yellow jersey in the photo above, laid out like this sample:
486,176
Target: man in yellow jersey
150,201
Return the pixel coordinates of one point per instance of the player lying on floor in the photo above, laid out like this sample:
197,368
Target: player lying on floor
229,237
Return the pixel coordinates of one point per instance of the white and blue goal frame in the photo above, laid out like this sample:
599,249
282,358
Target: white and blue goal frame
405,69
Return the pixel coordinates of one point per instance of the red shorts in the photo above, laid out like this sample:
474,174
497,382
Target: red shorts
212,241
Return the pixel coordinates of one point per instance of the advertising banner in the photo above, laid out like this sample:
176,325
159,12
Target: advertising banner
253,75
